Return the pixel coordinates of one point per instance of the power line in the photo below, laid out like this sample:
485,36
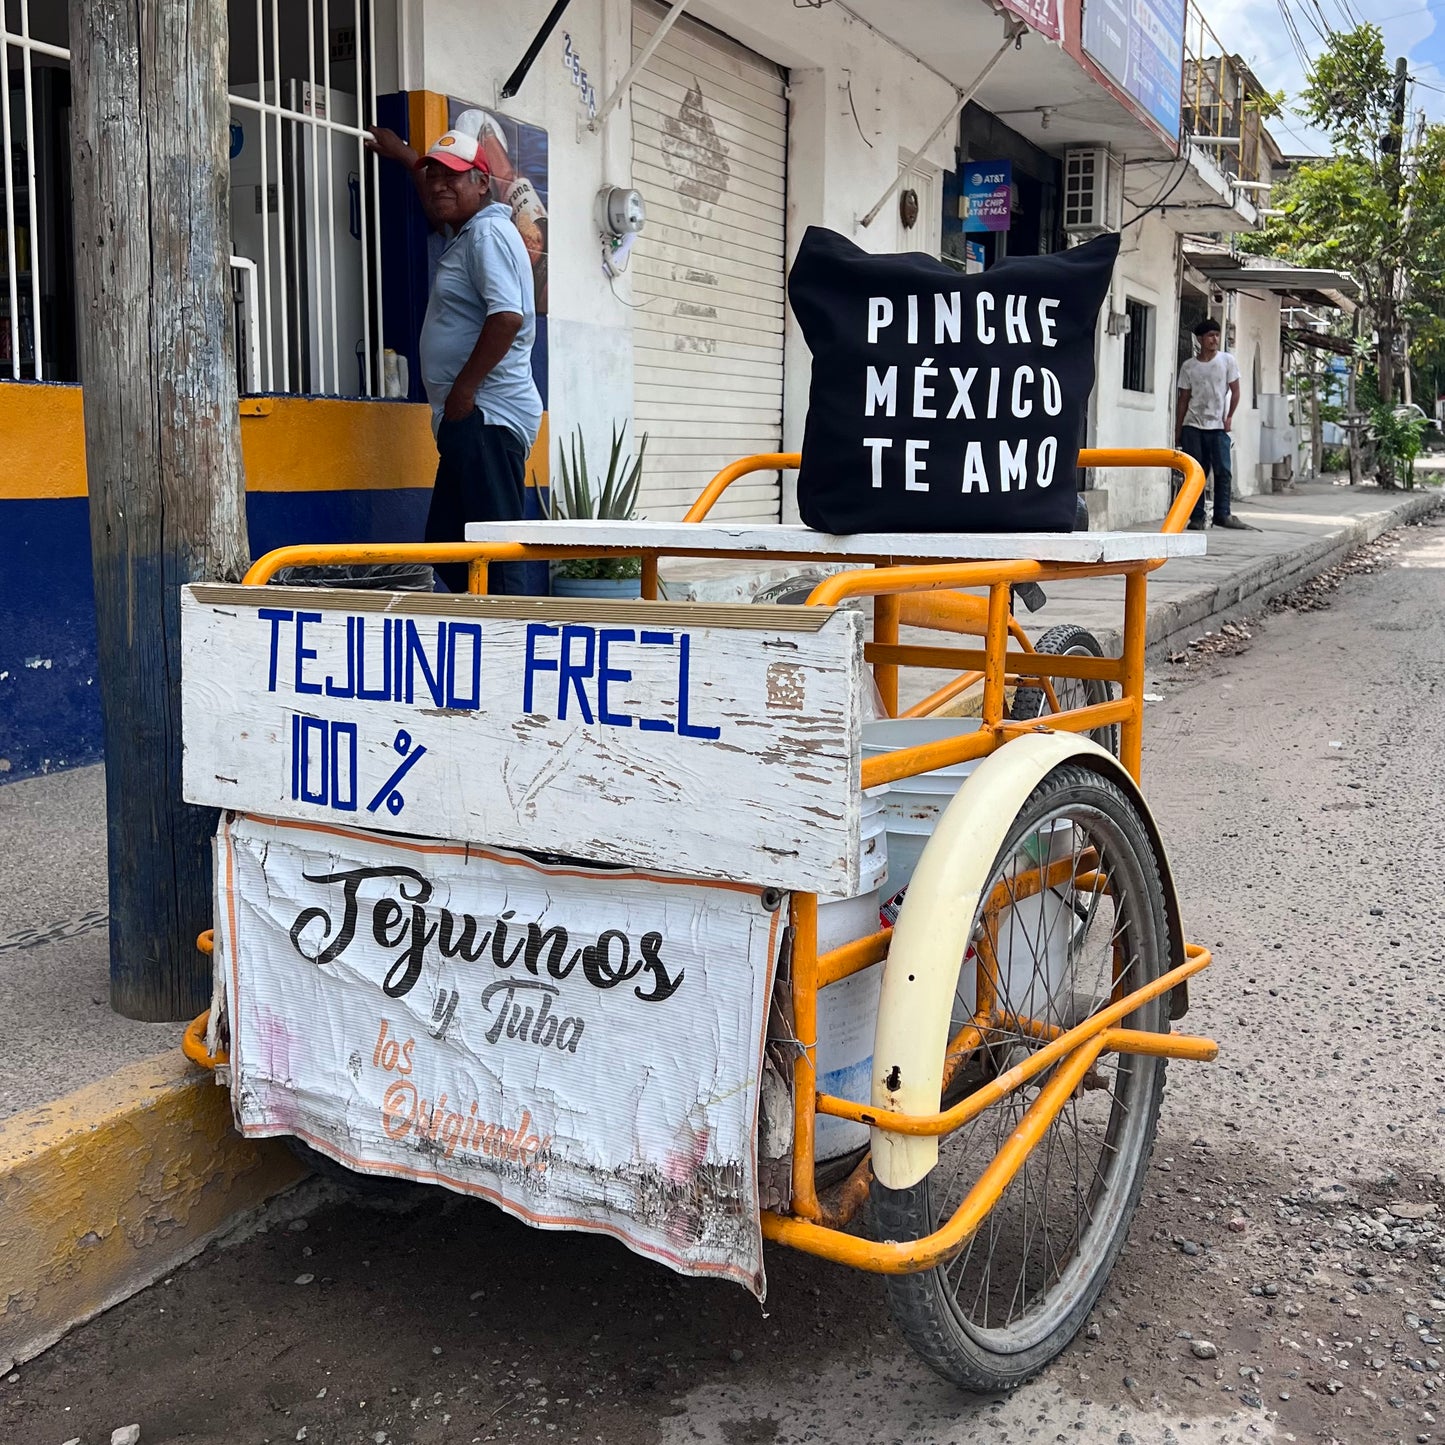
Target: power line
1290,29
1328,35
1321,27
1290,130
1295,38
1162,195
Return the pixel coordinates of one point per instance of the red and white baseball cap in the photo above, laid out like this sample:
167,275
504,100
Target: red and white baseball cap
458,151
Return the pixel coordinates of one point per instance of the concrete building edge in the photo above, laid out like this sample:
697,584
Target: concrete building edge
109,1189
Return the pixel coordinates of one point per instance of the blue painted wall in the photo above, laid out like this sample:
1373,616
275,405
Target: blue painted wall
49,691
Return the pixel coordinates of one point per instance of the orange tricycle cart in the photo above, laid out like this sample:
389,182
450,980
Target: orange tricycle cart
662,919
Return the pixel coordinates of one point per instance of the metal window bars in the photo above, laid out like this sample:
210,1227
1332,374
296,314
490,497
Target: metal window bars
1222,99
296,283
22,332
305,286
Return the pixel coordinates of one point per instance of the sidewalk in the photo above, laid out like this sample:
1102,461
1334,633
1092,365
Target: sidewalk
1301,533
116,1157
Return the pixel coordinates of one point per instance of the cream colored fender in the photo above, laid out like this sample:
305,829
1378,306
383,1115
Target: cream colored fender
933,930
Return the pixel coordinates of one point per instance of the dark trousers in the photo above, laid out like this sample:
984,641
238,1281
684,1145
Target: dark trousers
1211,450
481,477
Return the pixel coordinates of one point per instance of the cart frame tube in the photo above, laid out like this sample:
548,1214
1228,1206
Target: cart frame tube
905,1125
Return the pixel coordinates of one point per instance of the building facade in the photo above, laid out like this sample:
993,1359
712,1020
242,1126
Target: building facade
740,123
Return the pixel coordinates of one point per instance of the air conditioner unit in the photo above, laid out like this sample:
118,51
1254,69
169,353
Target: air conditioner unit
1093,191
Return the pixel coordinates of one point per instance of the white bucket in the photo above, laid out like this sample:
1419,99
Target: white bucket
914,805
847,1017
848,1010
841,920
873,843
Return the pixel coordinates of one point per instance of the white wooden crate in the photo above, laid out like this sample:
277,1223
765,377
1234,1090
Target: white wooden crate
793,540
709,741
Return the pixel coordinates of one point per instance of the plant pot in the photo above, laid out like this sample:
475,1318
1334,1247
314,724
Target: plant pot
616,588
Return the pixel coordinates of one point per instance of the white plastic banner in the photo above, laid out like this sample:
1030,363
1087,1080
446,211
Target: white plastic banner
580,1046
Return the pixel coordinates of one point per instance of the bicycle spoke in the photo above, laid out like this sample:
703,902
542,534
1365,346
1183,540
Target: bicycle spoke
1044,956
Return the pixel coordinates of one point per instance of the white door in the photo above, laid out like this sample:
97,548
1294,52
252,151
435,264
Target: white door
709,154
925,232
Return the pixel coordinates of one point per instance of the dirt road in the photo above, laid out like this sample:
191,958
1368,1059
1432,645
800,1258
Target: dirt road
1285,1279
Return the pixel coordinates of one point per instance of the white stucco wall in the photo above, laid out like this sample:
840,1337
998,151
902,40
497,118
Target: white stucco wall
459,52
1256,335
1147,271
835,173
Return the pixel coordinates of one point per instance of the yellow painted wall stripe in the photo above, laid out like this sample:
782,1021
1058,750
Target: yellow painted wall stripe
289,444
42,441
325,444
427,113
106,1190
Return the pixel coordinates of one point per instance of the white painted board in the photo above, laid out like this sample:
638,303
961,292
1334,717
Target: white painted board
582,1048
716,742
798,541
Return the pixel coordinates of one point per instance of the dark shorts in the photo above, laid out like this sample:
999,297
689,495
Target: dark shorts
481,477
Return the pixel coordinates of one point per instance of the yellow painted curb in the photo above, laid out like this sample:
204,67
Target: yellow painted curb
107,1189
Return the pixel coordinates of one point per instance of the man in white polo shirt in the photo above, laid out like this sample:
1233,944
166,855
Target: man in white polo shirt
1208,399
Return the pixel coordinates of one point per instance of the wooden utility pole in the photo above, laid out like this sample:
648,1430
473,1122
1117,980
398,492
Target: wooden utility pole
1387,304
1352,416
162,445
1317,439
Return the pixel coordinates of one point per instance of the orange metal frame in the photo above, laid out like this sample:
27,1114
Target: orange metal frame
925,595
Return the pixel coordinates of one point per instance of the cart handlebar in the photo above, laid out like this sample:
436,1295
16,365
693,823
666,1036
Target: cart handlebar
1176,461
478,554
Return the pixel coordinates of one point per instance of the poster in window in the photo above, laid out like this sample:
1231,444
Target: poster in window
517,158
987,195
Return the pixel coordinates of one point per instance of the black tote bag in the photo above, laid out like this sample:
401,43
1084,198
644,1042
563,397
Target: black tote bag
942,402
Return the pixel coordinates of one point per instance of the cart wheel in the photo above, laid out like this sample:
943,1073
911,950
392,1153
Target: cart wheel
1023,1285
1067,640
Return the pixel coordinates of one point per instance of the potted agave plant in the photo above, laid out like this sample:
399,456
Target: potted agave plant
576,495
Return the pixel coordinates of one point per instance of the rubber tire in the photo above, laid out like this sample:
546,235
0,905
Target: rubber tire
1033,702
919,1302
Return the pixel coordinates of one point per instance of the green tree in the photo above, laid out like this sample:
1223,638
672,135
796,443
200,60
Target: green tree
1427,352
1376,206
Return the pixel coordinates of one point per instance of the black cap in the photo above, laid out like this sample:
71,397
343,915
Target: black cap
1208,324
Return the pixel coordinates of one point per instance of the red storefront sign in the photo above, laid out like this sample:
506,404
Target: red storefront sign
1041,16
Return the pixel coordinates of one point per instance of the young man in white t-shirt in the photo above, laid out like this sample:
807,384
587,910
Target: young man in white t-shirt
1208,398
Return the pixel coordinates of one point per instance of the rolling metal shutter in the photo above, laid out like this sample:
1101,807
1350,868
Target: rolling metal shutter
709,154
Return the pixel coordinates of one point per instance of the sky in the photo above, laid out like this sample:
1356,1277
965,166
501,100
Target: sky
1255,29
